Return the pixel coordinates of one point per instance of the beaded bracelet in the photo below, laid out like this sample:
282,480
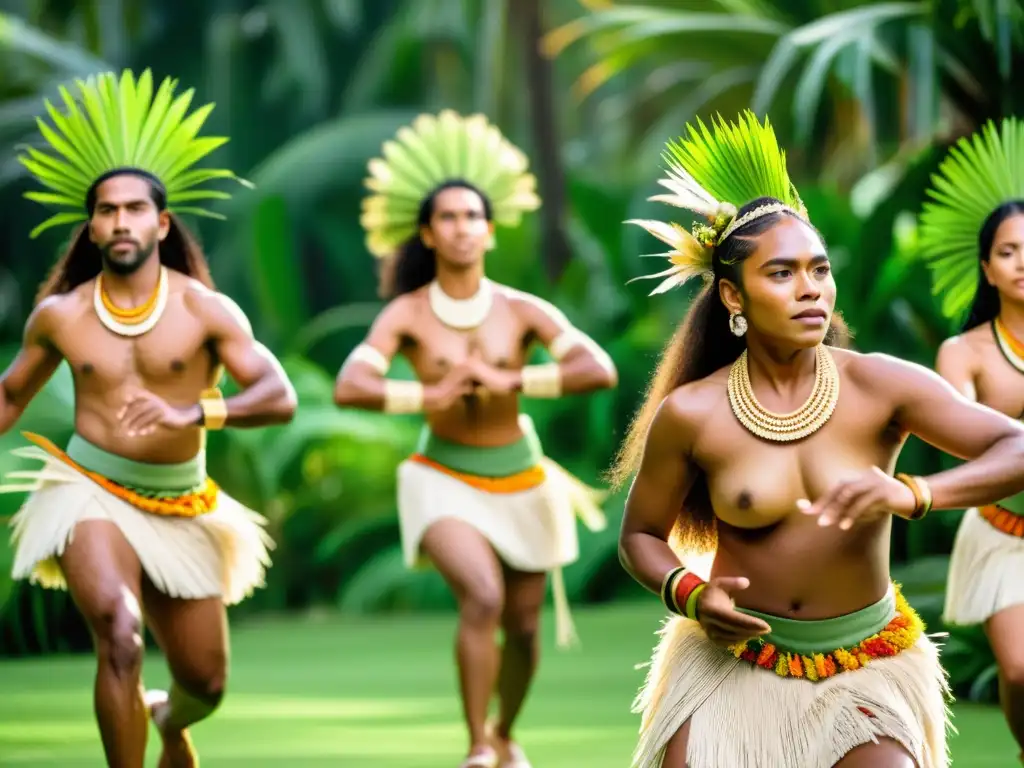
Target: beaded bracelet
679,591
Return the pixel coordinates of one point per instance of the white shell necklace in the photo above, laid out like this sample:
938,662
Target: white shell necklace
462,314
133,322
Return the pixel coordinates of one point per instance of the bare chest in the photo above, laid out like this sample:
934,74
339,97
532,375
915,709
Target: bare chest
175,350
434,348
755,483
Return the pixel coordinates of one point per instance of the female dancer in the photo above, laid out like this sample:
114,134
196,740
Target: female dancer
973,235
478,498
776,445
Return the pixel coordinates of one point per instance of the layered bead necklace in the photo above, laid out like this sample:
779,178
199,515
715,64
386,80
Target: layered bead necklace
1008,344
785,427
137,320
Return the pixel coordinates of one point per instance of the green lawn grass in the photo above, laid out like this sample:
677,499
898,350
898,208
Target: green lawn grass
380,693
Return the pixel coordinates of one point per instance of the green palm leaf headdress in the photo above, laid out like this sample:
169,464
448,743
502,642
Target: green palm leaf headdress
121,124
714,173
980,173
436,149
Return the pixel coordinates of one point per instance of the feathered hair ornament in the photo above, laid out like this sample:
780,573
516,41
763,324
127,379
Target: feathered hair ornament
980,173
436,149
121,124
714,175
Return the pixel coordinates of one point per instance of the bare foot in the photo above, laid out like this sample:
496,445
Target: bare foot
481,756
178,751
510,754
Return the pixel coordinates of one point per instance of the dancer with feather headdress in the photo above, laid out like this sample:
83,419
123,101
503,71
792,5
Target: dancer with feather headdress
767,443
125,517
478,499
972,237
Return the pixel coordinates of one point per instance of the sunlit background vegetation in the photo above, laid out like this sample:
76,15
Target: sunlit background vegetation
865,95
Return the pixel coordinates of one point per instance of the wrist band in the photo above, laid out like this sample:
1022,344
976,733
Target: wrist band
403,396
542,380
679,591
215,410
373,357
922,494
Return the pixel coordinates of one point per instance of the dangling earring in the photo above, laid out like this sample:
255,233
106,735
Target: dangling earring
492,243
737,324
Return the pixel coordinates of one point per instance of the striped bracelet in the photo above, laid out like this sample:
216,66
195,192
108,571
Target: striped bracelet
679,591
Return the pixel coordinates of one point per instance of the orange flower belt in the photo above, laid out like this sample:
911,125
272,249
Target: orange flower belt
1003,520
902,632
521,481
190,504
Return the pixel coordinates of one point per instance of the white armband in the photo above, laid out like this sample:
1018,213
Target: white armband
372,356
403,396
542,380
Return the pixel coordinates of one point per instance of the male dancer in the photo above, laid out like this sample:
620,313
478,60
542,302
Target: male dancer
477,498
126,518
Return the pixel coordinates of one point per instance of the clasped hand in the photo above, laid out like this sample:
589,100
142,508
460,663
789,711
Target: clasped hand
473,376
717,614
144,412
863,497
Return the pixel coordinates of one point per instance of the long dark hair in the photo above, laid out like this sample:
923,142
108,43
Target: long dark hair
82,261
415,264
985,306
701,345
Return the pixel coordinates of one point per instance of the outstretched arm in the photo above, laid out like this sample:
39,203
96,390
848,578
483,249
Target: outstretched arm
993,444
581,365
267,396
362,381
34,364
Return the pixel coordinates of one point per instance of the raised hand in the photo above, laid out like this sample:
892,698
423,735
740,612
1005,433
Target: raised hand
143,413
863,497
717,614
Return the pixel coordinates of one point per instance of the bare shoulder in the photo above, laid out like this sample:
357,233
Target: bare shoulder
688,407
966,349
532,309
60,310
217,311
878,372
402,312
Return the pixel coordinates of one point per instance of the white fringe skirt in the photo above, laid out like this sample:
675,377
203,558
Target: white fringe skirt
222,553
986,571
744,716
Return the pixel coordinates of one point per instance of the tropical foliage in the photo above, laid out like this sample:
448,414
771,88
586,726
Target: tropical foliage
864,95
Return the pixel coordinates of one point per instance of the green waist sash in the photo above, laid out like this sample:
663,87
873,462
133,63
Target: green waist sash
825,635
497,461
154,480
1013,504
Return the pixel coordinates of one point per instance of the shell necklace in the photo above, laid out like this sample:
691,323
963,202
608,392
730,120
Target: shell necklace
785,427
137,320
462,314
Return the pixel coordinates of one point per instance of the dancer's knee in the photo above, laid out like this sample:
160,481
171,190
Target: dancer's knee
521,626
117,627
482,604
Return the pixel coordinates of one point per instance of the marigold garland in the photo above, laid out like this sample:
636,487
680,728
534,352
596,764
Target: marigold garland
1003,520
899,634
187,505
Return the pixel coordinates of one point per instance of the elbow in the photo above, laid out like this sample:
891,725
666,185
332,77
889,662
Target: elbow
285,404
346,394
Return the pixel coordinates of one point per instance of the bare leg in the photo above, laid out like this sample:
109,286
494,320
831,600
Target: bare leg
887,753
1004,633
675,751
194,638
524,596
472,570
104,576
